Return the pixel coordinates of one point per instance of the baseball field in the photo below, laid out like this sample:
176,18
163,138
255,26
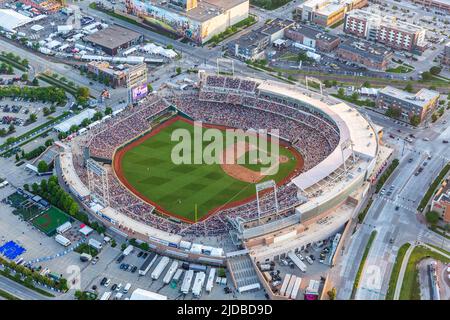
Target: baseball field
191,192
50,220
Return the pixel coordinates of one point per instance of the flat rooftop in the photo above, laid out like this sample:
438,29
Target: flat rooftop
112,37
205,10
365,48
384,20
317,34
420,98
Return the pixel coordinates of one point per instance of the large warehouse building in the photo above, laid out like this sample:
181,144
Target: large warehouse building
114,38
195,20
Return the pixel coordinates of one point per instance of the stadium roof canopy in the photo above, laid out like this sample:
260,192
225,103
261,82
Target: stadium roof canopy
10,19
75,120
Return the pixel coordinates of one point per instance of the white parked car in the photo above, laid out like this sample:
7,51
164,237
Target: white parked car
309,260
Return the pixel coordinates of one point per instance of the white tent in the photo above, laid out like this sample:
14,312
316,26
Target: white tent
10,19
75,120
86,230
37,27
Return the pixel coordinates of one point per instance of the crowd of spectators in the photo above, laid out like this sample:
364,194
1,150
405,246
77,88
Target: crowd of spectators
120,129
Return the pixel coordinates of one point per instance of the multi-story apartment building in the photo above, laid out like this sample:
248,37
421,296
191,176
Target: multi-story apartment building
419,104
387,30
326,12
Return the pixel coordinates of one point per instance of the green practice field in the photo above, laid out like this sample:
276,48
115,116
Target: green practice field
50,220
178,189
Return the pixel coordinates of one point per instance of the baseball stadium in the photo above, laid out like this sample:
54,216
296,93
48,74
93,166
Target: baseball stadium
329,156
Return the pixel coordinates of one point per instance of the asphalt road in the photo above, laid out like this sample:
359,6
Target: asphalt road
20,291
395,217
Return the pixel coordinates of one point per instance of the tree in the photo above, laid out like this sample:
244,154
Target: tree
332,293
149,87
426,76
32,118
123,246
97,116
17,157
35,82
393,112
178,70
366,84
435,70
415,120
74,208
341,92
42,166
108,110
409,87
24,77
432,217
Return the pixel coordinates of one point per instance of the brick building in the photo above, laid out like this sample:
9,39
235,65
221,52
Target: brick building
364,53
421,103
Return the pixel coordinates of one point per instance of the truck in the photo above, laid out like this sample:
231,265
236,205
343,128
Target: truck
177,276
160,268
265,267
127,288
296,260
197,267
186,285
198,284
85,257
290,286
106,295
169,274
148,263
95,244
210,281
285,283
128,250
62,240
296,288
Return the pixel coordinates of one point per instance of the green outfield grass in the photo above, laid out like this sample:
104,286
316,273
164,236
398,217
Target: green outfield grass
178,189
50,220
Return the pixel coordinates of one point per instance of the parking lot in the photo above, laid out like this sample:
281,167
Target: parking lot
127,271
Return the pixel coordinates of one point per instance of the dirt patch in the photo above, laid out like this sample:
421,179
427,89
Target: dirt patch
229,163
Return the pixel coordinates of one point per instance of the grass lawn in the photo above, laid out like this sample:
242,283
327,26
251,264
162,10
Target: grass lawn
395,271
410,286
50,220
400,69
86,248
7,295
426,198
178,188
